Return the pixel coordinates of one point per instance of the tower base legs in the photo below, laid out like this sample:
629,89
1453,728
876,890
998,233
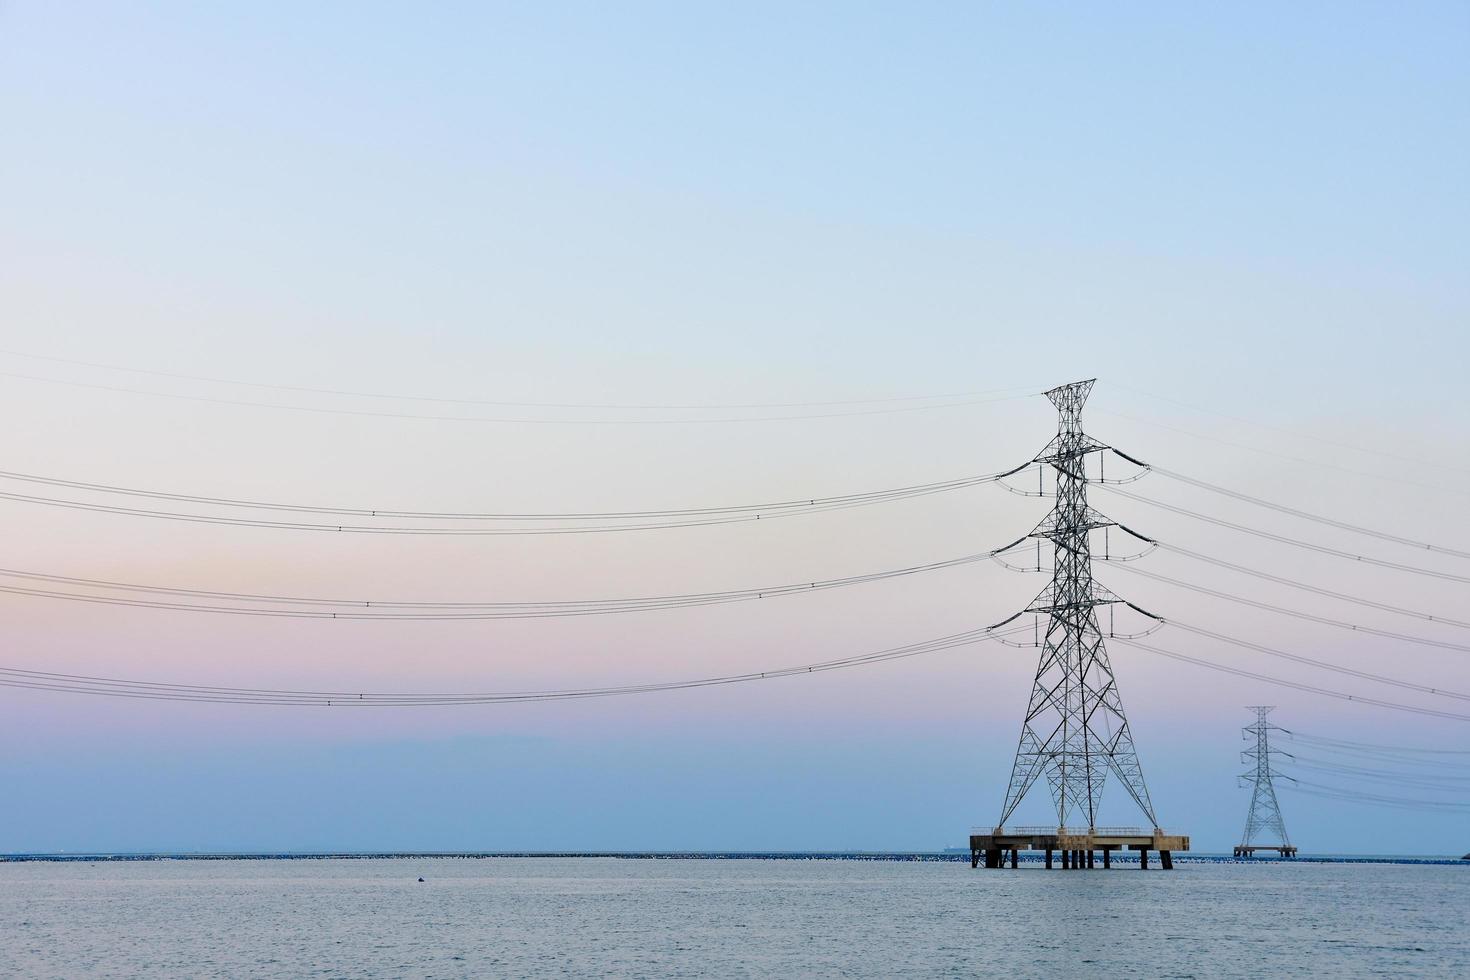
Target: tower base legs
1074,851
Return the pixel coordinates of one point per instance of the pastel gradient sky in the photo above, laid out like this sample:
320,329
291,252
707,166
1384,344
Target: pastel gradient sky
1257,209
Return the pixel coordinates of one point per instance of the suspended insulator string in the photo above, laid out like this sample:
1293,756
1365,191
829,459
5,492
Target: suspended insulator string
369,609
163,691
305,389
1295,685
1320,664
767,509
1282,539
1298,614
1306,515
1307,587
364,413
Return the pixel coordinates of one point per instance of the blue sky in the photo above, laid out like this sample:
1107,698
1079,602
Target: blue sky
1258,210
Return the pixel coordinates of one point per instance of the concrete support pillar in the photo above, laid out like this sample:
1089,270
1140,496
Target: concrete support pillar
1143,859
1015,857
1090,858
992,858
1166,860
1048,859
1107,857
1066,859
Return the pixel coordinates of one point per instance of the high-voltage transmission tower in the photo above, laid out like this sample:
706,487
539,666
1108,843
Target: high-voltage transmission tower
1075,731
1264,816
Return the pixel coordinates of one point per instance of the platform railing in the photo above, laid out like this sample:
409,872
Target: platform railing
1098,831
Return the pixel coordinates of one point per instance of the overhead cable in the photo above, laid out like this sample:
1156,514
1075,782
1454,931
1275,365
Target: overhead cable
508,420
1318,590
163,691
1453,489
1294,685
258,604
1320,664
306,389
1337,792
1297,735
1298,614
1294,542
1291,432
1306,515
768,509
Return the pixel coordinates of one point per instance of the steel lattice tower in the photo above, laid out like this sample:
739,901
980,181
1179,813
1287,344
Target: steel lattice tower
1075,731
1264,816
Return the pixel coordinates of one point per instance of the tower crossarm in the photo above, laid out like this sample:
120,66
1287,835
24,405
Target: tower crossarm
1064,531
1068,451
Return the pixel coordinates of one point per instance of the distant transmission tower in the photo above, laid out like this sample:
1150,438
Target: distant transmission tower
1075,730
1264,816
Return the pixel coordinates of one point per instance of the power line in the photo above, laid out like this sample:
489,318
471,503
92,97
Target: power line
1349,744
1358,796
165,691
1447,767
519,531
1290,432
1294,685
306,389
1294,542
1341,797
769,508
1305,515
1320,664
364,413
353,609
1298,614
1307,587
1429,779
1287,456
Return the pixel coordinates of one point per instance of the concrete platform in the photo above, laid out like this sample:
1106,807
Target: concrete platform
1249,850
1077,848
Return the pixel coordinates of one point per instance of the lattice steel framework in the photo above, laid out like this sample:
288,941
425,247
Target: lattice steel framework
1075,731
1264,816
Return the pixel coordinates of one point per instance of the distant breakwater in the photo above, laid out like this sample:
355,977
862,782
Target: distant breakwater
949,856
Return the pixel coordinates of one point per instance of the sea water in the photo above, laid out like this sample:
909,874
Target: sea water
595,917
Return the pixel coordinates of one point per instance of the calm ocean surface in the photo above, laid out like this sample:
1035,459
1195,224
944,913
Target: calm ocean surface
592,917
